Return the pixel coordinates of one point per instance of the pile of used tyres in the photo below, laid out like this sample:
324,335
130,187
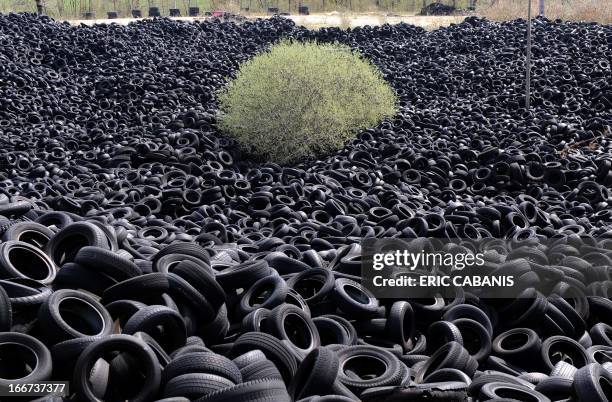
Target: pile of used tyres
142,257
437,9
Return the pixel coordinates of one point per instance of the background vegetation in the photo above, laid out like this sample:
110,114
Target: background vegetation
74,9
582,10
301,100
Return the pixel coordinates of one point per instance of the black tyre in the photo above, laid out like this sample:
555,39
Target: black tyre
557,348
148,368
195,385
70,314
160,353
23,360
601,334
451,355
29,232
476,338
518,345
363,367
203,280
262,390
74,276
267,292
491,376
248,358
243,275
6,312
182,290
497,390
150,318
65,244
400,325
189,249
556,388
440,333
468,311
25,293
353,299
108,262
275,350
600,354
23,260
140,288
593,383
290,323
314,284
259,370
316,374
331,331
209,363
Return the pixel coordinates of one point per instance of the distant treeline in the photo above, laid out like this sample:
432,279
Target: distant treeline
75,9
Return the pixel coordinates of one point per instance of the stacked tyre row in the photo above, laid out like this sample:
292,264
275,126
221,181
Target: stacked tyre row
81,304
144,257
119,122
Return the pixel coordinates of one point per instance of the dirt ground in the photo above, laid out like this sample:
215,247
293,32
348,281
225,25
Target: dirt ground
315,21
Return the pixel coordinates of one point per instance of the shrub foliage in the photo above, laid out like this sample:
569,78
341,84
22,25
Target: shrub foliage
300,100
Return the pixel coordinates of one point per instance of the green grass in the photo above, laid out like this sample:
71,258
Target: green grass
301,100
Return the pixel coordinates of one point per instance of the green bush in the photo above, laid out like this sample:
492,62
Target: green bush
300,100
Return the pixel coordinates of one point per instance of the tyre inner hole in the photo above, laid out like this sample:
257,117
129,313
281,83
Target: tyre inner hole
327,335
364,367
16,361
431,301
261,323
29,263
602,357
406,328
81,316
152,234
34,238
356,294
309,287
514,341
509,393
68,248
564,354
606,387
471,340
297,331
261,295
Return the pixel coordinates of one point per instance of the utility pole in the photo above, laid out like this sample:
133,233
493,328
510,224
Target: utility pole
528,61
39,7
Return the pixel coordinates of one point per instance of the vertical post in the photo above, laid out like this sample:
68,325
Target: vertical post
541,8
528,61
